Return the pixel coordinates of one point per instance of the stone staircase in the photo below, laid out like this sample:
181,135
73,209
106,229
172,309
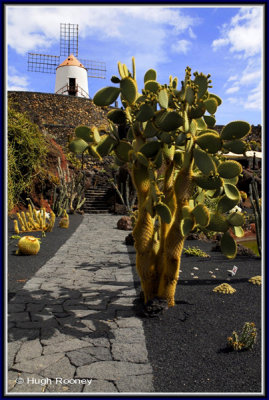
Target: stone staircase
96,200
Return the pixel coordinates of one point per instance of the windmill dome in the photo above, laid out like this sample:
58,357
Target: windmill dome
72,78
71,60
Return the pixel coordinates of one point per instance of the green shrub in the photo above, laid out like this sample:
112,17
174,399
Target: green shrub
195,251
27,150
245,340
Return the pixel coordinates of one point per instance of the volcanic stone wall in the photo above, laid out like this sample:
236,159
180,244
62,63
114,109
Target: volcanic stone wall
58,114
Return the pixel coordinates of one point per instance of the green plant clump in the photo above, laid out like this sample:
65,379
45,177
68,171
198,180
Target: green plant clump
27,150
245,340
195,251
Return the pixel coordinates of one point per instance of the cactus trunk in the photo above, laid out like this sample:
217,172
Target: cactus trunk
175,160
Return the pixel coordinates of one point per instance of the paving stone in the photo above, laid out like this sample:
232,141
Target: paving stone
18,316
51,336
54,308
127,313
35,307
125,301
38,324
98,342
15,334
30,383
128,335
129,322
100,386
80,357
41,316
135,384
30,349
12,349
65,388
92,325
38,364
67,345
87,312
16,308
112,288
21,299
61,368
31,287
12,376
136,353
79,313
112,370
73,302
88,355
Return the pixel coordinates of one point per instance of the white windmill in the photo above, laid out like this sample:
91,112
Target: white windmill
71,74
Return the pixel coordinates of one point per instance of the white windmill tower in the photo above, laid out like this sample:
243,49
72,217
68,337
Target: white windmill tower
71,74
72,78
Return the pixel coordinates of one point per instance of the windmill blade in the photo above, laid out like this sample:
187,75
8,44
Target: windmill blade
68,39
95,69
42,63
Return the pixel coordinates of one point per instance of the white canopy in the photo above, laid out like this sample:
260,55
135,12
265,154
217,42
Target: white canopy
249,154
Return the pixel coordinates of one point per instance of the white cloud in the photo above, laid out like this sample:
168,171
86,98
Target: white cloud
144,29
244,33
243,36
191,33
219,43
16,81
181,46
254,99
233,89
233,78
232,100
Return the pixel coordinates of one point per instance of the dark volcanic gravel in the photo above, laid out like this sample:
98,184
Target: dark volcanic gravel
22,268
187,343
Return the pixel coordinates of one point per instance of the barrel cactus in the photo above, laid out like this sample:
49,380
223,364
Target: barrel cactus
176,160
28,245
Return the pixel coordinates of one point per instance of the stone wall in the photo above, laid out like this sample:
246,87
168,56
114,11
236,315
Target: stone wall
58,114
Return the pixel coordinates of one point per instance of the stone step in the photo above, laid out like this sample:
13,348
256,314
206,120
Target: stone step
96,190
92,196
96,198
101,189
95,205
94,211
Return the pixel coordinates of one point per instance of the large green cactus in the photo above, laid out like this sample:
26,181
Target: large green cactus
175,158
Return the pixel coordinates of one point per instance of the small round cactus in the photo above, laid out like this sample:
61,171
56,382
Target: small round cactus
256,280
224,288
28,245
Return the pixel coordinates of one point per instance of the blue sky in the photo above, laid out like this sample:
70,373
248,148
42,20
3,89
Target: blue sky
226,42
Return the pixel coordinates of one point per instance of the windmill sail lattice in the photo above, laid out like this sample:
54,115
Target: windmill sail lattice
68,39
68,45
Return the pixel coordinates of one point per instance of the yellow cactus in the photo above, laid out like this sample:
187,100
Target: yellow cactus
256,280
224,288
172,169
28,245
64,221
16,228
34,221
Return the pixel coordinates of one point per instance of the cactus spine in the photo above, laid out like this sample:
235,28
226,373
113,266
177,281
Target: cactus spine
175,159
34,220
